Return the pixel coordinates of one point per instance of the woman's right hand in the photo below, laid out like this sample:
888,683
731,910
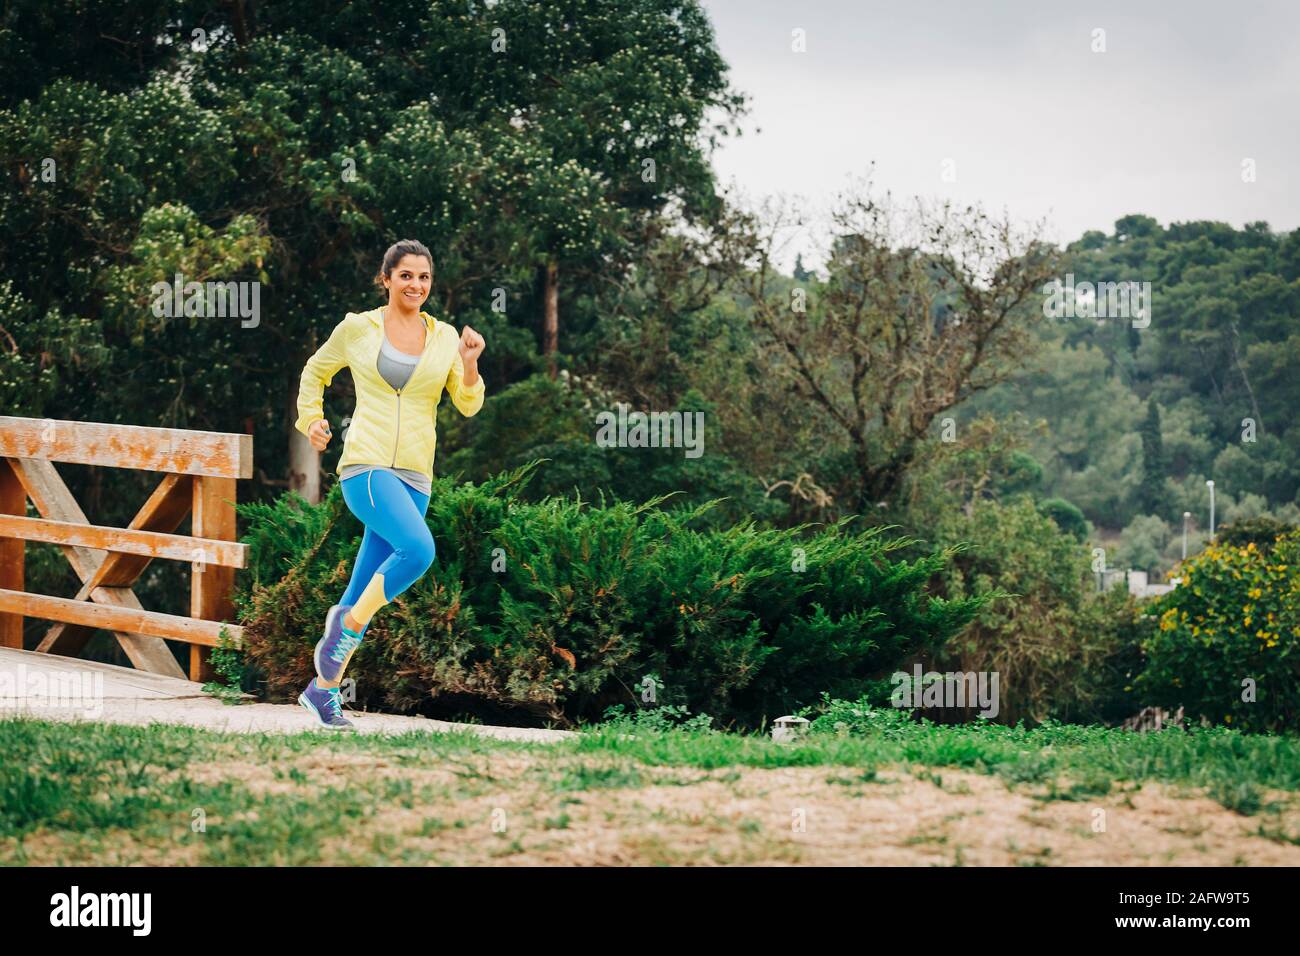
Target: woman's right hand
319,434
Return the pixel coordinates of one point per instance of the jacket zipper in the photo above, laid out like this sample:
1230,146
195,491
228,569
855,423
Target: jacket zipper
398,435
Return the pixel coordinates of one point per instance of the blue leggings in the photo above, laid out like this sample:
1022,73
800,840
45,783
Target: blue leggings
397,543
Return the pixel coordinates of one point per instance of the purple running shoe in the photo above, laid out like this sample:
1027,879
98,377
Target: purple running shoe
334,649
325,706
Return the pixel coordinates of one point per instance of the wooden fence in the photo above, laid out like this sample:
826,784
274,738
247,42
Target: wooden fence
199,469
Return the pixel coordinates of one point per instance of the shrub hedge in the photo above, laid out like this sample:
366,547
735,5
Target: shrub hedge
555,610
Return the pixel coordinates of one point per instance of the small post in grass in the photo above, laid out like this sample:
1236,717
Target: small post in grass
789,728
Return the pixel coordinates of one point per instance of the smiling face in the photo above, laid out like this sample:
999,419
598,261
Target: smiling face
408,285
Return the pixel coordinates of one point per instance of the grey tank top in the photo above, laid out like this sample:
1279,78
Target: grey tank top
396,368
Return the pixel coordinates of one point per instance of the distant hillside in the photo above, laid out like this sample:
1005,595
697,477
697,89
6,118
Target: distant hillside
1213,381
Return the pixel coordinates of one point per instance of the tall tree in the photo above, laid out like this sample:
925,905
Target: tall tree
923,307
287,144
1151,492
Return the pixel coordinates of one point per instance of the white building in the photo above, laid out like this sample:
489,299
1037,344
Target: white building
1137,582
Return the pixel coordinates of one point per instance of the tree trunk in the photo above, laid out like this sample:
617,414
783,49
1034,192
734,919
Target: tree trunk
1236,357
304,460
551,317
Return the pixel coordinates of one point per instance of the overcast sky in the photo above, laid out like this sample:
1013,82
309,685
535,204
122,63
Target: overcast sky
1011,97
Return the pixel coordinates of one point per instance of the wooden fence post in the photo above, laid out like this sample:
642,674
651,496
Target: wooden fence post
210,584
13,501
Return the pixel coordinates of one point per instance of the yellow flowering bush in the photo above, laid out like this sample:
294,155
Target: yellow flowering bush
1227,641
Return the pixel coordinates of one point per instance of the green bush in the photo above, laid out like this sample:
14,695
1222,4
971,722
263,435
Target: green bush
863,717
1263,530
1142,543
1066,516
538,418
1059,649
1235,618
658,719
1109,630
558,609
228,664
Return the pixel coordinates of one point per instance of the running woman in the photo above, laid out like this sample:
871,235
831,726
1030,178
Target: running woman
401,360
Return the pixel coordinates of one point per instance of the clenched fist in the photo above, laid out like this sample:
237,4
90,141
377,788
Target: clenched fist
471,345
319,434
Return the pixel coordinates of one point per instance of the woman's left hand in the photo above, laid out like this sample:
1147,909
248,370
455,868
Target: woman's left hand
471,345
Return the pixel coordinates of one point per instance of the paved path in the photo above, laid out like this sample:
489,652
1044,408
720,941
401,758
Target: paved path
65,688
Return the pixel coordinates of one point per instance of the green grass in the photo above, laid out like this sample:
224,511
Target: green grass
92,781
589,778
97,780
1214,758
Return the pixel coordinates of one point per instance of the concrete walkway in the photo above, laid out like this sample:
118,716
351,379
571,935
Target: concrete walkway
50,687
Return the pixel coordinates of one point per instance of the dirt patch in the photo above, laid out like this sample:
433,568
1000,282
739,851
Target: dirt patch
528,809
114,847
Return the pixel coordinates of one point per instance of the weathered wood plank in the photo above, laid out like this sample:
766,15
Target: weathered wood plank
133,621
216,454
177,547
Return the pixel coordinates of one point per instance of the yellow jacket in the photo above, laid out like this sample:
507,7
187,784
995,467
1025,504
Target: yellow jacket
394,428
